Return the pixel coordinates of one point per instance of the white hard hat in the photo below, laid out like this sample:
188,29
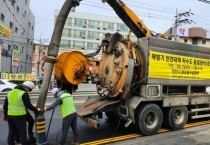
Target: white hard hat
54,91
29,84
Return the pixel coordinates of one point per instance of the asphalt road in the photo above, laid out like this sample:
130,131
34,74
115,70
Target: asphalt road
110,132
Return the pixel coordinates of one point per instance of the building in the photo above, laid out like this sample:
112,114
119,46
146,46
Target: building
39,53
16,49
196,35
84,31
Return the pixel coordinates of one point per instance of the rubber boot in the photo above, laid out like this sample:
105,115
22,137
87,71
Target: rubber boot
31,138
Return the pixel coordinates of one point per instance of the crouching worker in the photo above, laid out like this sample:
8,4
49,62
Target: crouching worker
66,102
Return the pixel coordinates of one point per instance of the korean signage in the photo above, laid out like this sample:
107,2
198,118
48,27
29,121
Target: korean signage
5,31
169,66
30,77
15,57
4,76
18,77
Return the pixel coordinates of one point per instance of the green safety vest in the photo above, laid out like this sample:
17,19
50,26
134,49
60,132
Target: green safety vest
67,106
16,106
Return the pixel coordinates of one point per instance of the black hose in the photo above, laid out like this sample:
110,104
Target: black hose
50,123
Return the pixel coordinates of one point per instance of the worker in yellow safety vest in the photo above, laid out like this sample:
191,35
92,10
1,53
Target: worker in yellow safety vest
15,109
66,102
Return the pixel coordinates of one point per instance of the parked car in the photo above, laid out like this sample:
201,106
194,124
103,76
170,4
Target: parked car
6,85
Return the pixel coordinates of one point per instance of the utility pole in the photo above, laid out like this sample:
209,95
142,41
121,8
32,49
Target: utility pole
179,20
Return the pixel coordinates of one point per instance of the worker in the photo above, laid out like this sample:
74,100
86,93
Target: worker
15,108
66,102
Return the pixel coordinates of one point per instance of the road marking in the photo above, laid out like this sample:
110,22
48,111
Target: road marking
130,136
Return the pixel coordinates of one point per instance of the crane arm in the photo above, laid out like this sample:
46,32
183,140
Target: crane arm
129,18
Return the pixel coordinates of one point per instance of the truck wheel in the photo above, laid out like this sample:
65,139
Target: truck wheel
176,117
149,119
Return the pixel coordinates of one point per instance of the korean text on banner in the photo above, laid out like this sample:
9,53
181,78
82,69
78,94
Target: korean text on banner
5,31
30,77
16,77
15,55
4,76
169,66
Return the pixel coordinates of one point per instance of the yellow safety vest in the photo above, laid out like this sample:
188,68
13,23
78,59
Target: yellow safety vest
16,106
67,106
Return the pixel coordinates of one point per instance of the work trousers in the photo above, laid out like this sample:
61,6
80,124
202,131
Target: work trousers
30,121
17,124
70,120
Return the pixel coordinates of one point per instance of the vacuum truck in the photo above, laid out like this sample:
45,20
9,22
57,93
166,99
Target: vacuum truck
147,83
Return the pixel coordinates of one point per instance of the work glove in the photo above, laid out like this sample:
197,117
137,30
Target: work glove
5,118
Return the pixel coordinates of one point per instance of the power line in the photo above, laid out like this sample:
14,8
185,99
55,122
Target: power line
205,1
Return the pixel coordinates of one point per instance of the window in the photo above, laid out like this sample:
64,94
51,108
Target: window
203,42
195,41
66,32
185,40
79,34
11,25
68,22
108,26
18,9
92,35
93,24
78,44
27,56
13,2
91,45
32,28
26,1
22,48
29,24
16,30
65,43
2,17
80,22
122,27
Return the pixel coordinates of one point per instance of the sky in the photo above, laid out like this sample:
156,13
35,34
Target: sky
158,15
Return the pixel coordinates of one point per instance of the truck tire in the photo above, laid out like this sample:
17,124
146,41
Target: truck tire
149,119
176,117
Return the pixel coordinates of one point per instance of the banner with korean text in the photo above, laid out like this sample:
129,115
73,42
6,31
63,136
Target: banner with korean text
15,57
170,66
5,31
18,77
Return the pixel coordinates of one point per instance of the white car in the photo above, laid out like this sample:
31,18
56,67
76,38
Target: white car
6,85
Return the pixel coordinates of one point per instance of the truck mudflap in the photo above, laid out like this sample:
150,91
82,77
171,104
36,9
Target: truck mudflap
94,105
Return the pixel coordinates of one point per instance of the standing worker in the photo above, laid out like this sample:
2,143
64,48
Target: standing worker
66,102
15,108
